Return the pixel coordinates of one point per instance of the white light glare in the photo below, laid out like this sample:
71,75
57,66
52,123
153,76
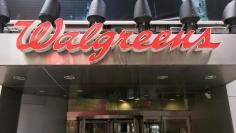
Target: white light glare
0,89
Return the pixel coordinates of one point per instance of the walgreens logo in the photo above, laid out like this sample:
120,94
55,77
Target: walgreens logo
42,37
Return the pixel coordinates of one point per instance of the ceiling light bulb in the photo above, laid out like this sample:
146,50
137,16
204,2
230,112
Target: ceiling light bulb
162,77
122,100
42,91
208,95
209,77
20,78
69,77
137,99
79,91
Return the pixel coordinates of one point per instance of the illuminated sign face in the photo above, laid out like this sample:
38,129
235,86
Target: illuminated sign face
36,37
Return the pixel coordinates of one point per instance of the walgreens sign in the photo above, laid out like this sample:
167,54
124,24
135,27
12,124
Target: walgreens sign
41,37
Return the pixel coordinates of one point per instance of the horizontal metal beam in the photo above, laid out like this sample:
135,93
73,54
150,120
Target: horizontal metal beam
128,23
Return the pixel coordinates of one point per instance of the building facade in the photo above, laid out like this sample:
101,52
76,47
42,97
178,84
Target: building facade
70,76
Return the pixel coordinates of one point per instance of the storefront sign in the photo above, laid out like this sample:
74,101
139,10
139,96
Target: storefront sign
36,37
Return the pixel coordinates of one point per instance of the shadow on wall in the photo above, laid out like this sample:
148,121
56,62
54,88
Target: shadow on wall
41,114
211,116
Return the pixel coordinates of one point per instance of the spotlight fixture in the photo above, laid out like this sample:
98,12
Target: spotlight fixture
142,15
4,15
97,12
188,16
50,11
229,16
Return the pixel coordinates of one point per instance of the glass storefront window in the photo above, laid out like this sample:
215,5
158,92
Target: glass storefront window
96,126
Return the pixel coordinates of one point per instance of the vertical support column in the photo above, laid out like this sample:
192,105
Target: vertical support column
81,125
231,91
164,126
188,126
10,101
110,126
138,124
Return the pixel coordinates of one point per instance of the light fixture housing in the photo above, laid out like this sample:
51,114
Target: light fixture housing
122,100
97,12
50,11
142,15
229,16
4,15
208,95
131,98
130,94
178,95
172,99
210,77
137,99
42,91
19,78
69,77
188,16
79,91
162,77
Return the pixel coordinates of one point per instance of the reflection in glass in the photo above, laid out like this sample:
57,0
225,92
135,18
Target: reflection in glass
124,126
96,126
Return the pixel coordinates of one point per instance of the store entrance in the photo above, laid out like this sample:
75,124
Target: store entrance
135,124
113,99
97,126
109,124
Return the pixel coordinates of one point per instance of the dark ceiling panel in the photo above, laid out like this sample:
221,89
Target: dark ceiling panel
103,79
120,77
30,80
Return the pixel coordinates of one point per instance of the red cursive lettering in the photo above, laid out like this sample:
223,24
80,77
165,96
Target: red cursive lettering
43,37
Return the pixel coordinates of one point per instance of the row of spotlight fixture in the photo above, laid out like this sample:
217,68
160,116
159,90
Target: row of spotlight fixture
142,14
